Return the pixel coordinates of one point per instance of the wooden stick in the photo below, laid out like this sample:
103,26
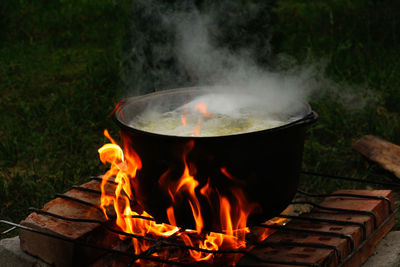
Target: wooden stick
381,151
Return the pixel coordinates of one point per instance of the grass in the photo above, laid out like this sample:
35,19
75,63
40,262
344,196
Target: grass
60,73
359,40
59,69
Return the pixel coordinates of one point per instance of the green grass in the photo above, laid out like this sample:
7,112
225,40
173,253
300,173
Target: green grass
359,40
60,77
59,73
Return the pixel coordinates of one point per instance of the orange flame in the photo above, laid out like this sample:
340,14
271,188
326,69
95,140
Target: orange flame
200,107
123,168
184,116
188,183
116,108
233,210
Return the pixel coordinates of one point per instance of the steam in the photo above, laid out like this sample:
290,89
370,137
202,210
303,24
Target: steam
236,72
236,77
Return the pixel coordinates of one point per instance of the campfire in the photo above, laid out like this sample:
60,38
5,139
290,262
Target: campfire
71,230
195,178
178,200
232,211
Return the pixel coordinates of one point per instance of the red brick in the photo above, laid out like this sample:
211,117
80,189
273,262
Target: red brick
325,256
63,253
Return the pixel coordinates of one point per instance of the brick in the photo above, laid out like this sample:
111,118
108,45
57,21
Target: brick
63,253
326,257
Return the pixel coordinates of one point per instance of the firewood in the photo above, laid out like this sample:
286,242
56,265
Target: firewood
381,151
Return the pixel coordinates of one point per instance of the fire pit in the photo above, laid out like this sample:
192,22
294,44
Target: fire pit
258,169
213,202
339,231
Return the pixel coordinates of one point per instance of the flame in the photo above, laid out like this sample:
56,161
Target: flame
233,209
117,106
188,184
123,168
183,119
184,116
263,233
199,107
202,107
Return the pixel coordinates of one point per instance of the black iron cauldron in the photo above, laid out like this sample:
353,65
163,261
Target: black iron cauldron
265,164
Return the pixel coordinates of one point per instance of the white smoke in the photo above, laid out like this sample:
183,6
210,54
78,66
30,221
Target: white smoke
240,84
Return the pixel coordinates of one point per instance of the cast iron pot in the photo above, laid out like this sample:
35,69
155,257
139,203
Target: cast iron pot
266,164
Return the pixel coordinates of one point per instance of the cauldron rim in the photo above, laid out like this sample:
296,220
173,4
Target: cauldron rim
309,117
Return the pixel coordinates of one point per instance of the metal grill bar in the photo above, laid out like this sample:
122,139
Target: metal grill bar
97,207
63,196
97,192
350,179
315,232
160,243
290,263
339,222
81,220
306,244
368,239
389,203
9,230
140,256
165,243
100,179
84,189
362,212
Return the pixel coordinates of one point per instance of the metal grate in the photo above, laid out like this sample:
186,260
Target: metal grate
165,242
